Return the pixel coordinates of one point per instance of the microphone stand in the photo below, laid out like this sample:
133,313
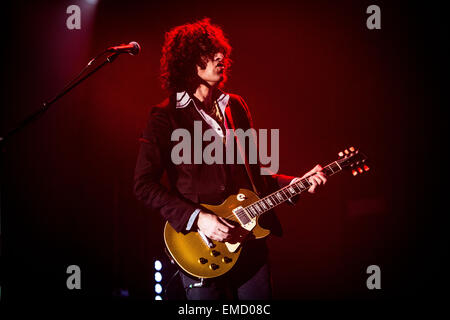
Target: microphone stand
47,104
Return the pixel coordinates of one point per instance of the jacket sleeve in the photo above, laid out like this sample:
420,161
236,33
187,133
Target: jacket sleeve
279,180
153,156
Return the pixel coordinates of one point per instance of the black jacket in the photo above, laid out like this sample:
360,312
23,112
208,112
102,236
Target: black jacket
192,184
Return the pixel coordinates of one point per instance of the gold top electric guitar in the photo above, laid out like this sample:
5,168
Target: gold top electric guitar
202,257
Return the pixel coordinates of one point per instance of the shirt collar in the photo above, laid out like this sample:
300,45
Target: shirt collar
183,100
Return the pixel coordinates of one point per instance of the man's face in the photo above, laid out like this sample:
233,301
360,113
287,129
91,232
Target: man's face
213,73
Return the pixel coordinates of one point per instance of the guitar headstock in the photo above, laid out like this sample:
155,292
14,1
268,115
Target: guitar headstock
354,160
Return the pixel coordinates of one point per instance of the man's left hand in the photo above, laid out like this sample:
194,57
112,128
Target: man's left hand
316,177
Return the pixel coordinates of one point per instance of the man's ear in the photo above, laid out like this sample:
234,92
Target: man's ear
198,68
202,63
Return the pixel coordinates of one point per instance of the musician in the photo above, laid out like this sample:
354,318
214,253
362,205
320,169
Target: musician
194,67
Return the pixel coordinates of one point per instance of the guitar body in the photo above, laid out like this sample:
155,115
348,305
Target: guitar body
205,258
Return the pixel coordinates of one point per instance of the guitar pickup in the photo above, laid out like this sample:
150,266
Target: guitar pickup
241,215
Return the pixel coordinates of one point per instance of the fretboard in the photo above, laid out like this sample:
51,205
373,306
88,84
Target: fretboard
278,197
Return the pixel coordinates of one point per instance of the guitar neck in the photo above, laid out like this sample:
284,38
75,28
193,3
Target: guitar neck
278,197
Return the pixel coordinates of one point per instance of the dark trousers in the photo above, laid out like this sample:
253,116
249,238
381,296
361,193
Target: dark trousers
249,279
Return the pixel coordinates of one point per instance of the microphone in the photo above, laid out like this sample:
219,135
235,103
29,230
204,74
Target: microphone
132,48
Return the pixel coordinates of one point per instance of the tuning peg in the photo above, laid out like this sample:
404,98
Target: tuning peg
341,154
354,172
366,168
360,170
351,149
346,151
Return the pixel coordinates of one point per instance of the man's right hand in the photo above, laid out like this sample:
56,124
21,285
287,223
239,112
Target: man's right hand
214,227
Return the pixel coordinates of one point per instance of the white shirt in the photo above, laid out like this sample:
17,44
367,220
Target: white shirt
183,100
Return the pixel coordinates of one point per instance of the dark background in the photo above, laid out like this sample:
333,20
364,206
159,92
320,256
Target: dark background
310,68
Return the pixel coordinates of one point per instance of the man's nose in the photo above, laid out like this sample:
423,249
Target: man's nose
219,56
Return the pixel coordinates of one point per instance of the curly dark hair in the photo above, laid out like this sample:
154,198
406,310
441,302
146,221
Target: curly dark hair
187,46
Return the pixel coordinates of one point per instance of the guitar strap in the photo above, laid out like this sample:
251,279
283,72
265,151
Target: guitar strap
229,116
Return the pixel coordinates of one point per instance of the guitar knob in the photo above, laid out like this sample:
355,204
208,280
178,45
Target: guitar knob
226,260
202,260
215,253
213,266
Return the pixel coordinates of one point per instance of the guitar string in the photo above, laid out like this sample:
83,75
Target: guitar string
272,194
327,167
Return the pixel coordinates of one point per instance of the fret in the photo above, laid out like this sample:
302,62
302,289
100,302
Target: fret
274,199
248,213
283,192
281,195
333,168
303,186
253,211
295,185
306,183
263,205
291,190
330,168
278,194
288,192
